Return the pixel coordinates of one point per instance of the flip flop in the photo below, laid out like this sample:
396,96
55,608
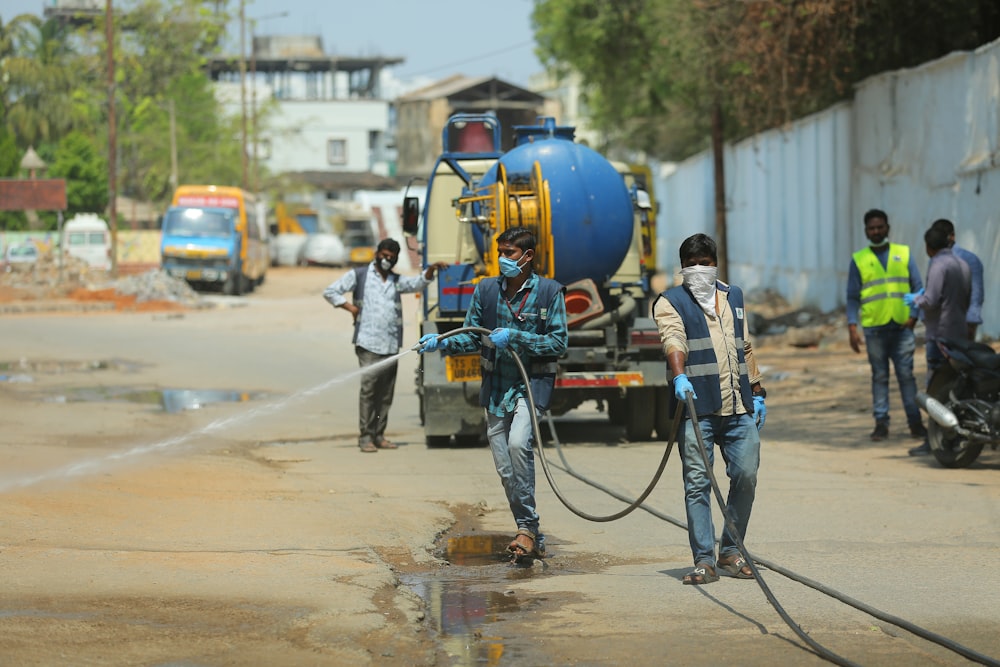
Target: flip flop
736,566
703,573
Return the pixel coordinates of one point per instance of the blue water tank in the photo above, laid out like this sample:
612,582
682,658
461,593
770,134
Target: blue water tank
591,208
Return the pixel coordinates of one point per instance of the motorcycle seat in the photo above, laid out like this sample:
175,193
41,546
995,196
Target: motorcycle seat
982,355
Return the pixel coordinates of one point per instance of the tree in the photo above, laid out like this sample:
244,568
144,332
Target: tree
655,69
40,82
160,56
10,164
79,161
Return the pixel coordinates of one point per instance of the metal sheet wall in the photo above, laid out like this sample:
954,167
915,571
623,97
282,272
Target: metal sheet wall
920,144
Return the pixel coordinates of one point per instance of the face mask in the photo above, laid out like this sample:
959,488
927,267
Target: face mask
386,264
700,280
509,267
881,244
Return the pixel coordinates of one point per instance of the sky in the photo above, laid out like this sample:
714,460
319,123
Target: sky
437,38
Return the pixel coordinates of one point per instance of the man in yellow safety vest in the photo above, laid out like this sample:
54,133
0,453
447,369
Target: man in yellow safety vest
877,279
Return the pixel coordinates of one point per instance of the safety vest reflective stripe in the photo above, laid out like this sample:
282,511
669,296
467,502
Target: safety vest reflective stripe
882,288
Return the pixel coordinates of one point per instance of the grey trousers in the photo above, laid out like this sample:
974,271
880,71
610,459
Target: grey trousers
375,396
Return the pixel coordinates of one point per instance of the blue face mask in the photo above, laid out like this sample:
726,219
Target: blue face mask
509,267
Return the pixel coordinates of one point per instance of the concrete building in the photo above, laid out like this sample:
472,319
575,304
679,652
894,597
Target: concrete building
421,116
309,113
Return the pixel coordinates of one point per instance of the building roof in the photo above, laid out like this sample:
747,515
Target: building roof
464,87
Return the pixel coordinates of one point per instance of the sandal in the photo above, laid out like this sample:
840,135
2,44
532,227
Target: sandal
736,566
703,573
524,545
368,447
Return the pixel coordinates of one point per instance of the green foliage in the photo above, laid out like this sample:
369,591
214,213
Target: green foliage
10,163
55,83
79,161
653,69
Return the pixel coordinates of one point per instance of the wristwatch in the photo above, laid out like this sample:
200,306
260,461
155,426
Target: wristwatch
760,392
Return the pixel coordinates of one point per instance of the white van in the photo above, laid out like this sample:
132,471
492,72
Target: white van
87,237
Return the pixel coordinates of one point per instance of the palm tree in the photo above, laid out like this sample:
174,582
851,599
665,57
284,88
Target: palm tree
39,80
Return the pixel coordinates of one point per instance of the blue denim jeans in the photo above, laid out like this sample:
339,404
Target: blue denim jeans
511,439
935,358
739,443
896,343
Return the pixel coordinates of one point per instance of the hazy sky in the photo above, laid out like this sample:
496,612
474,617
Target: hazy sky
436,37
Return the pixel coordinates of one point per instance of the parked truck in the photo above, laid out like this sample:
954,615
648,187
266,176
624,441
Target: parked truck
215,235
587,214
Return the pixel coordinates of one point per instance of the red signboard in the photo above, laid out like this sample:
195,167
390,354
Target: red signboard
47,194
208,201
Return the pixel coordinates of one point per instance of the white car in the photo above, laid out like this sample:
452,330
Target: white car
324,250
87,237
19,256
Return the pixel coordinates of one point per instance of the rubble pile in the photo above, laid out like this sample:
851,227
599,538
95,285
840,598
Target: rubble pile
158,285
772,320
46,280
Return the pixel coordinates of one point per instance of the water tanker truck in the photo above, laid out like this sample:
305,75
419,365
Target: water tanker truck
586,213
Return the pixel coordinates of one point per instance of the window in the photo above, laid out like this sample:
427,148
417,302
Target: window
336,151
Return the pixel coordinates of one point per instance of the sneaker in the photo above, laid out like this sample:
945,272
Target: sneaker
881,431
921,450
918,431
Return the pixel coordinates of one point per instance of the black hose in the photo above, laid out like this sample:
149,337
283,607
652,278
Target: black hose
530,400
818,649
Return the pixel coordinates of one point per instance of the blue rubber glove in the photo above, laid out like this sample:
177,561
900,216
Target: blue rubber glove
500,338
681,386
759,411
430,343
909,299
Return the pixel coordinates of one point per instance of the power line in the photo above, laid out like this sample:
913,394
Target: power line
473,59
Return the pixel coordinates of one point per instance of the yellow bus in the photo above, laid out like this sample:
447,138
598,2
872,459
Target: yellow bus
215,235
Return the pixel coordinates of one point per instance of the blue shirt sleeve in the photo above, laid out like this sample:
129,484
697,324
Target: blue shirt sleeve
975,313
916,284
853,293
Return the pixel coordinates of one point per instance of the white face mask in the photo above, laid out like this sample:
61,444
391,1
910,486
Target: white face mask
700,280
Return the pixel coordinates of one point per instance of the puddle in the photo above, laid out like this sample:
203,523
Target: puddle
170,400
463,601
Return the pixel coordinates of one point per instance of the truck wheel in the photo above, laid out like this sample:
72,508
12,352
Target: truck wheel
664,415
640,413
437,441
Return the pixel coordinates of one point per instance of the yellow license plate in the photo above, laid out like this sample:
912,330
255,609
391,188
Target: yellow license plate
194,274
463,368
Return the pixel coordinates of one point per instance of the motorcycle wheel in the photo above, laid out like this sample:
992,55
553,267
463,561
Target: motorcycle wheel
949,448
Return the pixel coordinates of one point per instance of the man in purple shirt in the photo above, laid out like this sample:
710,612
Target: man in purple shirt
943,303
974,316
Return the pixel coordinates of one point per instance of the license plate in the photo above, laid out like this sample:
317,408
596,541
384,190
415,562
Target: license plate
462,368
194,274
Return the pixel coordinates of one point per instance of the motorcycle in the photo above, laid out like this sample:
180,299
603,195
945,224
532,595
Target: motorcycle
963,403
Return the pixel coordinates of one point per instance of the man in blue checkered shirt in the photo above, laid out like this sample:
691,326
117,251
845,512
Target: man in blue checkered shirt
526,313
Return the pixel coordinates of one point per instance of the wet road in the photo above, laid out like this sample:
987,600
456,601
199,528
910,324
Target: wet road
254,532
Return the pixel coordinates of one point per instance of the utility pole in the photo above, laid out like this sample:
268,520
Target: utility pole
173,147
243,89
109,35
719,164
